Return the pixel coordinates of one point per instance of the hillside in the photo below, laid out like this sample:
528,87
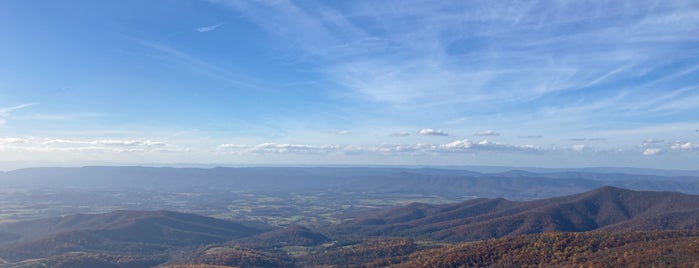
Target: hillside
605,227
604,208
237,256
294,235
120,232
591,249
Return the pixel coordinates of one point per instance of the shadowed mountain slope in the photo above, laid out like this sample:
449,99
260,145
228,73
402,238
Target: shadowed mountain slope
590,249
293,235
604,208
128,232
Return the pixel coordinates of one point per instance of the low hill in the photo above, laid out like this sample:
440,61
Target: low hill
368,253
120,232
604,208
294,235
237,256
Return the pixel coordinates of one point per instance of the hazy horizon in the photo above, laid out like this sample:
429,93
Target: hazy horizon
409,83
8,167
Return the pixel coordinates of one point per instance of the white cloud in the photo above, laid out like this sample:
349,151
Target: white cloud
232,146
486,145
209,28
684,146
115,143
432,132
487,133
342,132
651,143
127,143
284,148
652,151
458,146
578,147
395,148
63,142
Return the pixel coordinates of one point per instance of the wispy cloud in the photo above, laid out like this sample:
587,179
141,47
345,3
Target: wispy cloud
63,117
588,139
8,110
652,141
283,148
13,140
421,53
5,112
400,134
531,137
487,133
458,146
183,59
125,143
62,149
128,143
209,28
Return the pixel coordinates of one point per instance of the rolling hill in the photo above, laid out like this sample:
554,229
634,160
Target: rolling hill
606,208
119,232
605,227
590,249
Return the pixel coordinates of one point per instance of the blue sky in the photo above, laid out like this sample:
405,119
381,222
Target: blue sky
517,83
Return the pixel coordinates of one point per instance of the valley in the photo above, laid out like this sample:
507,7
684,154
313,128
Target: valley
345,220
282,196
276,208
343,217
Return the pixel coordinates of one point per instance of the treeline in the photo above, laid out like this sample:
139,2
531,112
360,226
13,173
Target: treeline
591,249
370,253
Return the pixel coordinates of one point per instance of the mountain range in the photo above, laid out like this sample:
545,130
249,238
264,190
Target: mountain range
455,183
151,233
605,208
478,232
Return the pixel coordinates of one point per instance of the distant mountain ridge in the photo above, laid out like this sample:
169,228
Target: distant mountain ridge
606,208
512,184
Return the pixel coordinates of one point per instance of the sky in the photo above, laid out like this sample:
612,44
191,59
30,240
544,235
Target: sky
435,83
